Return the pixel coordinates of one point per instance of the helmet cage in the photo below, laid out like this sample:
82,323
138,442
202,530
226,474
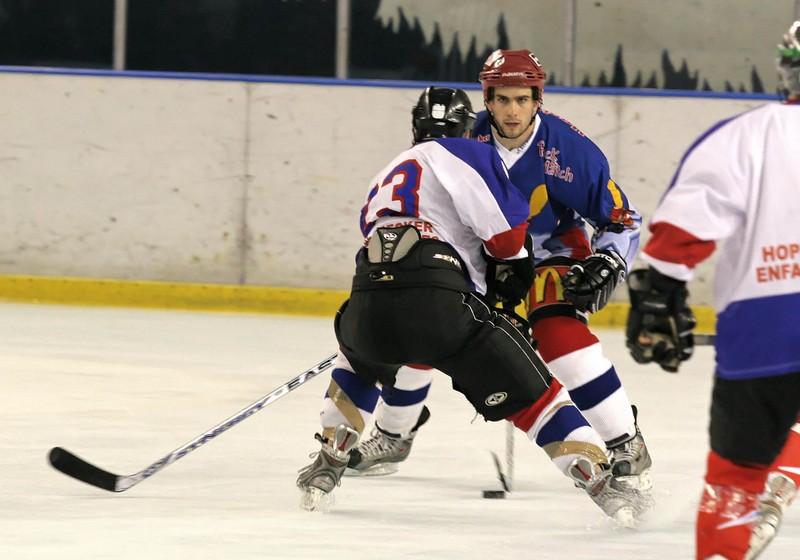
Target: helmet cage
442,112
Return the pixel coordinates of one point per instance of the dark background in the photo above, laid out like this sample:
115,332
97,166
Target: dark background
278,37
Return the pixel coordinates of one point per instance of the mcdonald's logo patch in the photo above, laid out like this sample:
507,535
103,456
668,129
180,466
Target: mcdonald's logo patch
547,286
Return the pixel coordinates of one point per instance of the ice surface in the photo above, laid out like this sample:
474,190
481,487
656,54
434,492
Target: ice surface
122,388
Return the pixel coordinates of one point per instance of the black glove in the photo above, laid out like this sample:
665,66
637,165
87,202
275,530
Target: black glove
513,280
508,281
660,322
588,285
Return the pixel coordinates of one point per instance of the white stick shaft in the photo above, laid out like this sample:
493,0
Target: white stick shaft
510,455
72,465
127,481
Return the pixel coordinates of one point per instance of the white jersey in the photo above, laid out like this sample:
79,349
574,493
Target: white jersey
455,190
739,184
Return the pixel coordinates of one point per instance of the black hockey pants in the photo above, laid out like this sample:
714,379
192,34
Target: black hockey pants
751,418
488,359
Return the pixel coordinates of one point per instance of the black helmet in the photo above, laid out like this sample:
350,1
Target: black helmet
442,112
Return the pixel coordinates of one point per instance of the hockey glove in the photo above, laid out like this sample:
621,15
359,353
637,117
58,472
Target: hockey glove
508,281
660,322
588,285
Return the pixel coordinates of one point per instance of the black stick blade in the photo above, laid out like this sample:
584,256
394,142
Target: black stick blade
74,466
500,476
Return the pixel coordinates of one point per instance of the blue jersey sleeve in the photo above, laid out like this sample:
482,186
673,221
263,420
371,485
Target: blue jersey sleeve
595,196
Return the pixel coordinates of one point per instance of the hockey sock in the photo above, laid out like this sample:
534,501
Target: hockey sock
401,404
556,426
349,400
576,358
788,462
728,508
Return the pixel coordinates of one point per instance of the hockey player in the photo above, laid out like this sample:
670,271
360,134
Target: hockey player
737,184
417,298
566,180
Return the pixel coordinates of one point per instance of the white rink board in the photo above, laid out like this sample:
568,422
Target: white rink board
313,152
121,178
260,183
122,388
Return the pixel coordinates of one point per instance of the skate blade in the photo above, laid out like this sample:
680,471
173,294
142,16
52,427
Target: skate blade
639,502
630,513
642,482
314,499
762,535
626,517
759,541
380,469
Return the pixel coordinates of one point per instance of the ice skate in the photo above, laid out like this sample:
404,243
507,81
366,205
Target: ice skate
630,460
318,480
779,493
622,504
381,453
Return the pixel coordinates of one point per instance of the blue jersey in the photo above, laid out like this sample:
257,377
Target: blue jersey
567,181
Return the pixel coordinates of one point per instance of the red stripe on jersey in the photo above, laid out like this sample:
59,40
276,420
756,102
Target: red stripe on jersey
526,418
675,245
507,244
559,336
419,366
575,239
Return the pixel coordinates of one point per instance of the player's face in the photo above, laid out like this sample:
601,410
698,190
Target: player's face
513,109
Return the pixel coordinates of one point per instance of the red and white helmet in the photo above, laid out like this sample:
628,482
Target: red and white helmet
507,68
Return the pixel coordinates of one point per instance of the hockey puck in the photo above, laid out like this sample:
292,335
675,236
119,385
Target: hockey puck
494,494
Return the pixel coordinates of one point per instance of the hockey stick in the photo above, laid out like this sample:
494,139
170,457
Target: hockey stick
509,455
506,477
74,466
704,339
500,476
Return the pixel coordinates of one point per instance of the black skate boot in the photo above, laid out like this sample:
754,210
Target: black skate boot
381,453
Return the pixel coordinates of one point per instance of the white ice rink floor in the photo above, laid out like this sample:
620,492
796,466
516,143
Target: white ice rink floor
122,388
